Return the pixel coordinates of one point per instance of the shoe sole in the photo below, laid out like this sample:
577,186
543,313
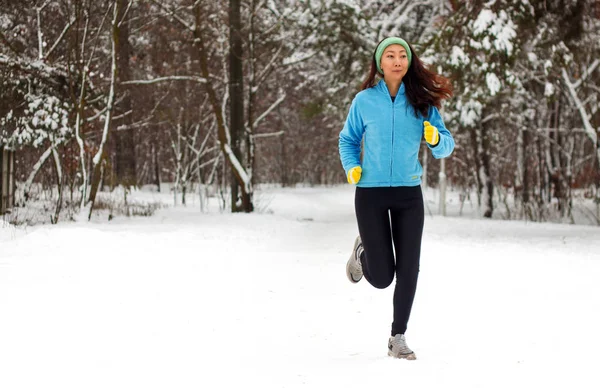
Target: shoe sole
410,356
349,274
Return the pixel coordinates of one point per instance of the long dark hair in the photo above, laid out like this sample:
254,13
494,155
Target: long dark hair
423,87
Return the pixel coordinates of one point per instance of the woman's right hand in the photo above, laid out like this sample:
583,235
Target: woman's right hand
354,175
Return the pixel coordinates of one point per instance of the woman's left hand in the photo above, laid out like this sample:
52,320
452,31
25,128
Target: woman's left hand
430,133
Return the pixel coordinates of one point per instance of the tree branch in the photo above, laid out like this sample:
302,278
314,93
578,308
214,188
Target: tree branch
268,67
266,112
589,130
60,37
125,13
168,78
40,69
259,135
174,15
586,73
7,43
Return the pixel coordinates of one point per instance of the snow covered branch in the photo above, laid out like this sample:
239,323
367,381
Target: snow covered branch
266,112
259,135
237,166
268,67
60,37
164,79
396,18
97,160
172,13
111,94
585,119
38,12
586,73
125,13
36,168
36,67
7,43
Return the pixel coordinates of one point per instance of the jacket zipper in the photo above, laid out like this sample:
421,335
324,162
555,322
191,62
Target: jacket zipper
392,151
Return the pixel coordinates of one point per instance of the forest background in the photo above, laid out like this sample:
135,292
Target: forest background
219,97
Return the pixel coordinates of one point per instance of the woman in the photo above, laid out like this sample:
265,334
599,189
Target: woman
391,116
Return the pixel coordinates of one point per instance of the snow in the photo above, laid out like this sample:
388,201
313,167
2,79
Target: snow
296,57
44,118
484,20
493,83
547,66
5,22
504,30
532,58
585,117
499,26
548,90
470,112
458,57
191,299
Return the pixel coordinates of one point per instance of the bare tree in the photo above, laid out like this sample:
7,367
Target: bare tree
124,139
100,156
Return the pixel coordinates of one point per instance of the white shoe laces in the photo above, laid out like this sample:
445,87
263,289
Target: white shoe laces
359,250
399,345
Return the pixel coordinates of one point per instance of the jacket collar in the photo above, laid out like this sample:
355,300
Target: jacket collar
382,87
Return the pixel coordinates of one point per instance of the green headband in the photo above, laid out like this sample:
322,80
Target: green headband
386,42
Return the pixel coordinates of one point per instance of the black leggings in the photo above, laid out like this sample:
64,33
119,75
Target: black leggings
391,218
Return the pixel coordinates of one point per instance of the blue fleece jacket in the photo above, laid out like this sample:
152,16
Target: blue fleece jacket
392,137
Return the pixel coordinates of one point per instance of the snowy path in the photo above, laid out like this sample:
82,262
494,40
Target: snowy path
185,299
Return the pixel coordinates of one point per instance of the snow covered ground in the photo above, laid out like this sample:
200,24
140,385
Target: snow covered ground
190,299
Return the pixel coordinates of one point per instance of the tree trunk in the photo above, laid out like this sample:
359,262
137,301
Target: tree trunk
485,172
156,164
518,177
7,181
557,172
543,176
36,168
239,171
597,183
442,187
526,183
124,142
425,159
60,184
284,174
597,195
100,156
474,137
236,100
250,140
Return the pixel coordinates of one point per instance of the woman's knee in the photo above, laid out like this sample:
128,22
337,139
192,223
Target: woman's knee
381,281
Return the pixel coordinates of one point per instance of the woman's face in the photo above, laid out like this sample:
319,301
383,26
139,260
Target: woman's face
394,62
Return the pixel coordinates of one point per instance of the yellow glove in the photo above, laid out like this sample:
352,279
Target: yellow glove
354,175
431,133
